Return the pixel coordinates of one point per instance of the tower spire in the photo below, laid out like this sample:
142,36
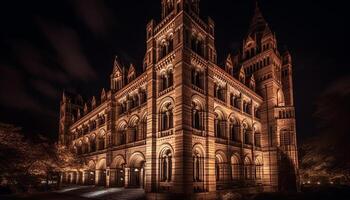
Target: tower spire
258,22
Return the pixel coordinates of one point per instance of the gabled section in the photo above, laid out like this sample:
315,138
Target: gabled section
258,22
93,102
251,83
131,73
241,75
117,67
229,64
118,75
103,95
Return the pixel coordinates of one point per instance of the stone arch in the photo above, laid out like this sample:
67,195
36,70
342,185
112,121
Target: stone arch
101,172
166,163
117,173
234,128
247,132
166,101
258,167
219,113
121,132
137,159
257,134
91,165
198,101
166,121
220,162
101,139
280,98
90,172
221,156
121,125
198,155
197,113
248,168
136,169
133,128
117,162
101,164
220,123
235,166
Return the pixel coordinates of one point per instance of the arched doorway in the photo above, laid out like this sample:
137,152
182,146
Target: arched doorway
117,177
136,170
101,172
90,174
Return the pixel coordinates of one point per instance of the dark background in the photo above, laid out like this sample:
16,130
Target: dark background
49,46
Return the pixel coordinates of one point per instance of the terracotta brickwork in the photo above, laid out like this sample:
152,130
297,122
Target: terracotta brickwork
187,125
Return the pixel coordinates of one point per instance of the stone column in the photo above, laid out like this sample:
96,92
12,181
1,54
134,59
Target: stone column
142,177
126,178
77,178
108,177
97,176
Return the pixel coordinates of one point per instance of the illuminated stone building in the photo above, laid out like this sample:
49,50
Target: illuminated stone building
187,125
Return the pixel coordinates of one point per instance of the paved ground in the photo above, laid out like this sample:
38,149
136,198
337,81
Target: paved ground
85,193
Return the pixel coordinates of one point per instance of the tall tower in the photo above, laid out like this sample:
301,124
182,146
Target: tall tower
274,74
69,107
171,44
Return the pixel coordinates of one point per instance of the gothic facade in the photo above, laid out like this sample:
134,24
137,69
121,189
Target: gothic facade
187,125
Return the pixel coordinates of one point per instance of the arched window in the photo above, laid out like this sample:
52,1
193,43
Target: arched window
197,116
162,49
258,168
248,169
234,130
247,134
101,141
133,129
86,146
167,79
165,166
121,133
220,163
92,144
235,168
167,117
197,78
198,166
219,125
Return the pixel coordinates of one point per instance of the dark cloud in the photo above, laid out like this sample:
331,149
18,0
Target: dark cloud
45,88
13,92
32,61
333,111
95,14
70,55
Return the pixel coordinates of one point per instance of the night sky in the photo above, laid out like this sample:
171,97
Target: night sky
49,46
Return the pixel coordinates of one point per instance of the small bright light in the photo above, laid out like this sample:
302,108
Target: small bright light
308,182
121,171
136,170
318,183
331,182
303,183
91,172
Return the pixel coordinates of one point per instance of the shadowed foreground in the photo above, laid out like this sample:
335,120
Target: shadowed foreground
91,192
